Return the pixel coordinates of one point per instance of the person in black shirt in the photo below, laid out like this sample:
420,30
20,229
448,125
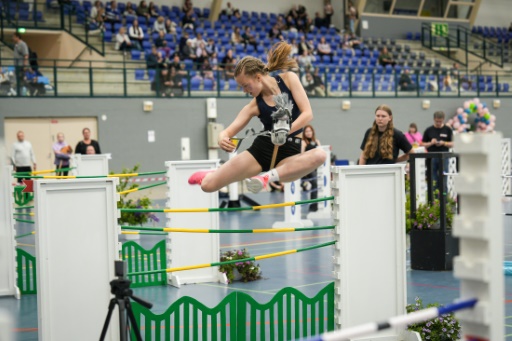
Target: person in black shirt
382,142
437,138
81,147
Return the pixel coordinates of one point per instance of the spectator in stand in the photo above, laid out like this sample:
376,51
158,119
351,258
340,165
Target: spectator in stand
152,10
31,82
188,20
231,11
188,52
177,85
176,65
201,54
21,54
210,47
165,84
136,35
161,44
7,80
352,17
170,26
294,12
197,40
510,28
207,71
129,11
142,10
281,23
214,61
328,12
295,47
155,60
305,46
306,60
183,40
319,22
187,6
274,32
228,64
159,25
405,81
324,49
249,38
354,42
302,22
123,42
456,76
97,14
112,14
22,155
236,37
319,83
290,24
385,58
81,147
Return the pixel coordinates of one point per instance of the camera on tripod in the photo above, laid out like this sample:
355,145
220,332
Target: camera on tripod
120,288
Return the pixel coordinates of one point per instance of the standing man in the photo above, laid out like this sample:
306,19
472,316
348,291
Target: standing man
62,152
438,138
22,155
81,147
21,54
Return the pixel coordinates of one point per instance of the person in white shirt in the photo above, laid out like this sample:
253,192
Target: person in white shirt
159,25
123,42
136,35
22,155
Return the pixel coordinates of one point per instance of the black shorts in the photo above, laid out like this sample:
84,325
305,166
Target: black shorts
262,149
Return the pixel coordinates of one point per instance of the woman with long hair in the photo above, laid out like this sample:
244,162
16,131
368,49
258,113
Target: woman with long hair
382,142
279,158
310,182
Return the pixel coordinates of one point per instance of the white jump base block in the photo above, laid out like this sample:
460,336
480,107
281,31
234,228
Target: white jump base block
8,286
293,214
76,246
369,214
191,248
89,164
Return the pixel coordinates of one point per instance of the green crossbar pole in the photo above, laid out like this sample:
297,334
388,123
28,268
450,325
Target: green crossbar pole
20,214
297,229
23,207
25,221
24,235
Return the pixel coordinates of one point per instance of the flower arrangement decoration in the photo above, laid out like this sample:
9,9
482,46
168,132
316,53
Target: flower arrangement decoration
473,116
248,270
442,328
144,202
428,214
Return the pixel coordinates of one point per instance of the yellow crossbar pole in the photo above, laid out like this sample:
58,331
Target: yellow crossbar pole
284,204
277,254
190,267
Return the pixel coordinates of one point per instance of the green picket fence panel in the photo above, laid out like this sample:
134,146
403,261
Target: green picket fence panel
26,268
289,315
140,259
189,319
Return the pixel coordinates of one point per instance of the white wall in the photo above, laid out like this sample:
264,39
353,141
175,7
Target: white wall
494,13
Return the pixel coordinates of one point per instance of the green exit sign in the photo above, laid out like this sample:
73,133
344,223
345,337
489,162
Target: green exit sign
439,29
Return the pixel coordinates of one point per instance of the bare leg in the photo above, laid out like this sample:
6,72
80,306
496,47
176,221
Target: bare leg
295,167
240,167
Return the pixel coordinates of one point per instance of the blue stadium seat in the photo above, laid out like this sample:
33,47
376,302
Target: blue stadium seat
135,54
208,84
107,36
140,74
151,74
232,85
334,86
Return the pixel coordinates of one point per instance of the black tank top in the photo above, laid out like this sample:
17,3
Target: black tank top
266,110
311,145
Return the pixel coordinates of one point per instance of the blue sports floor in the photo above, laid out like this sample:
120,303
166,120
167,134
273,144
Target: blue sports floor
308,271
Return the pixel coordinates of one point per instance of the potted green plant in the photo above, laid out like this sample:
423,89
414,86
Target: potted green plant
442,328
125,201
245,271
433,248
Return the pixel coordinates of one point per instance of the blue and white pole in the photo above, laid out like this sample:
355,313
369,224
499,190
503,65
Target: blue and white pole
397,321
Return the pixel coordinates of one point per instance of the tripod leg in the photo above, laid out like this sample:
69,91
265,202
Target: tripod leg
107,320
133,322
122,320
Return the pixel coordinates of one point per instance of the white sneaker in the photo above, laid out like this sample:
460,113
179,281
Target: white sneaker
256,183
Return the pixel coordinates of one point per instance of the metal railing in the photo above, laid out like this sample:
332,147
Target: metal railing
62,78
38,15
